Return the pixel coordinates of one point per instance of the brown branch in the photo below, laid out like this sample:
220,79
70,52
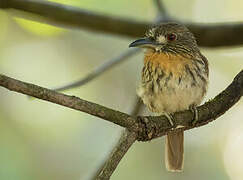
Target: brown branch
72,102
99,70
208,35
147,127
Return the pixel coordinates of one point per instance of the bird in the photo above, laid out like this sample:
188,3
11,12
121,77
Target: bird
174,78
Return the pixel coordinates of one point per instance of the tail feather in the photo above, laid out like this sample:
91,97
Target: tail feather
174,151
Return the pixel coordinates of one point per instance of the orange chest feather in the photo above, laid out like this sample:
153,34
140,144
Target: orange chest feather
169,63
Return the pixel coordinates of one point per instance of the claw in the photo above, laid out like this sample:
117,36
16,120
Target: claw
170,118
195,112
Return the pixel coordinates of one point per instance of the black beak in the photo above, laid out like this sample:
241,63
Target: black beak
145,42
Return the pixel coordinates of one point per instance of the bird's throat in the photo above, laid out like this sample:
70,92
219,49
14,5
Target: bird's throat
168,62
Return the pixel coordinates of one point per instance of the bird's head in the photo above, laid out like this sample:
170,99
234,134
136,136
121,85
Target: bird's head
168,38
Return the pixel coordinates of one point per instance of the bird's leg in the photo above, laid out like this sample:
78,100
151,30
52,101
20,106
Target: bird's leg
195,112
170,118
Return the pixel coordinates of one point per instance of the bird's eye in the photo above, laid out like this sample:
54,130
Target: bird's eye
171,37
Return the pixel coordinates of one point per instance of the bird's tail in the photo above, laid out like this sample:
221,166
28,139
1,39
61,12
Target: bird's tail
174,151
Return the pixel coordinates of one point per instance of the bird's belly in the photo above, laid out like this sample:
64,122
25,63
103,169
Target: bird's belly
171,96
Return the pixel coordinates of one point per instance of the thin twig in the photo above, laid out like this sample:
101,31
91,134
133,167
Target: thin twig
208,35
106,163
163,14
125,142
100,69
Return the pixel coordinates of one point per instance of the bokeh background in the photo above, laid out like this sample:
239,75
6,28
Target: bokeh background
40,140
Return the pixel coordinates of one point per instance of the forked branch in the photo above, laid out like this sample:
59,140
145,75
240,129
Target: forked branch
147,127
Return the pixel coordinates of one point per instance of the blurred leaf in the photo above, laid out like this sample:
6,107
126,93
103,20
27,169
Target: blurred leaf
39,28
